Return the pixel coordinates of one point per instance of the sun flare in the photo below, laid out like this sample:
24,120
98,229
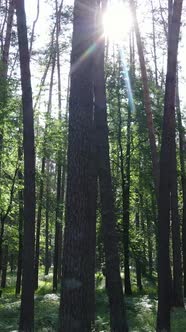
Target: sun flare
117,21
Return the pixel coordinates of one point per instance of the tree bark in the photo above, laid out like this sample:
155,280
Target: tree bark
79,236
167,152
27,299
58,221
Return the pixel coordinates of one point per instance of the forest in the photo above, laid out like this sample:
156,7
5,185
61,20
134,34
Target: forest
92,165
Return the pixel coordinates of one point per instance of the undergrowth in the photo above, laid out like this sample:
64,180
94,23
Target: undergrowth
141,309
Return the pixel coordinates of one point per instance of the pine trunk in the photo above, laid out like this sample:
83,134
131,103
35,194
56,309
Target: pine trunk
76,311
166,178
27,299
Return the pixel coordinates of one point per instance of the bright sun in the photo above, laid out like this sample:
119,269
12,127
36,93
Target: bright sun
117,21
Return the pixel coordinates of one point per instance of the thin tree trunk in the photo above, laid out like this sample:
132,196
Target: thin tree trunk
166,158
40,203
4,70
58,221
20,252
47,220
38,228
33,27
125,198
128,289
149,232
147,103
58,231
6,48
4,23
138,259
27,299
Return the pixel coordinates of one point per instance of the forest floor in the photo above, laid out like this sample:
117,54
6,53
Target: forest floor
141,309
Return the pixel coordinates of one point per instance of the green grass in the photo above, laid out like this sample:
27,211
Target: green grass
141,309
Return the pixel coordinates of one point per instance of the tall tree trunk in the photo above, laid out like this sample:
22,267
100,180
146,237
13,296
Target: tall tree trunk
27,299
113,279
41,189
79,236
58,221
20,251
138,259
147,102
38,228
127,206
125,198
47,220
58,231
177,296
4,70
166,158
150,248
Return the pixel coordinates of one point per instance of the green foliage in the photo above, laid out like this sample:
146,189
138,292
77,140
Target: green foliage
141,309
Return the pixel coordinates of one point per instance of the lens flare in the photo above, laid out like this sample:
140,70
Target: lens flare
117,21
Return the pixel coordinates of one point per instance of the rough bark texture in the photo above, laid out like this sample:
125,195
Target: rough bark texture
79,235
27,298
167,150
